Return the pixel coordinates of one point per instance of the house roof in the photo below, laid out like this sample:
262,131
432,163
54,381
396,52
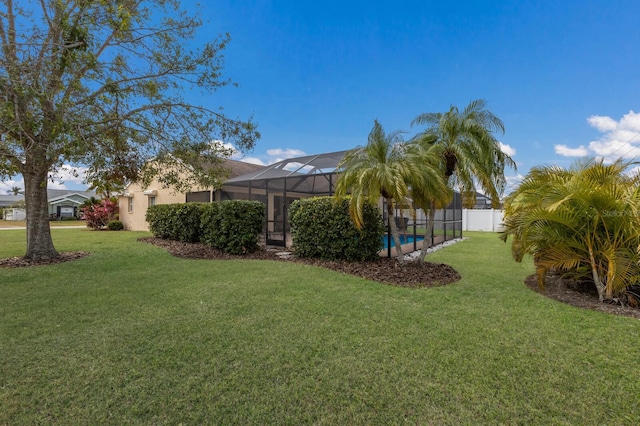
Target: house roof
7,200
239,168
55,194
299,166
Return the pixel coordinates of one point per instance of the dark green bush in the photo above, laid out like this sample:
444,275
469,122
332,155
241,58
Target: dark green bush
233,225
322,228
179,222
186,219
115,225
160,220
210,225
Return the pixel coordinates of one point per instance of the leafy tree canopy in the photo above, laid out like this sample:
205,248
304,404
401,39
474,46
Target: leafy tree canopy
102,83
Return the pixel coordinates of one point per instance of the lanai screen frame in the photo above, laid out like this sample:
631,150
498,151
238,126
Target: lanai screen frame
281,183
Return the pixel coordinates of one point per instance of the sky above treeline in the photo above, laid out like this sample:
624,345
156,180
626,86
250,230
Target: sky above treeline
562,75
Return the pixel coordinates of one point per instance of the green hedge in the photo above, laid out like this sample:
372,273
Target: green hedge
179,222
232,226
160,219
322,228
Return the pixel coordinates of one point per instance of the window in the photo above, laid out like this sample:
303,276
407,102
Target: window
152,201
130,204
199,197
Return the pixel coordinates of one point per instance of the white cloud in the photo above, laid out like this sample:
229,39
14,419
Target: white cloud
286,153
271,156
620,138
603,124
512,183
7,185
68,177
507,149
634,171
253,160
564,150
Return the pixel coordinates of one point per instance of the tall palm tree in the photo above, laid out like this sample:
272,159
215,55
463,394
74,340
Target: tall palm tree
470,155
384,167
583,221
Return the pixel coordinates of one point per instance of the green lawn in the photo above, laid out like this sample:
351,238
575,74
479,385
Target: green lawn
131,335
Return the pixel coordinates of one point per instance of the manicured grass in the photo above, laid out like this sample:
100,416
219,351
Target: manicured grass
131,335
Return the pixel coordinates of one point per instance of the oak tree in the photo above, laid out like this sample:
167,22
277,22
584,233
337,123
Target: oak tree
106,84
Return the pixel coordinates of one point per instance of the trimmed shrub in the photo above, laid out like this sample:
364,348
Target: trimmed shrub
160,220
233,225
115,225
179,222
210,225
321,227
186,222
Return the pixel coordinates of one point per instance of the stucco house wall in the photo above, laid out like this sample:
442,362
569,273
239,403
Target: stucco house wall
135,201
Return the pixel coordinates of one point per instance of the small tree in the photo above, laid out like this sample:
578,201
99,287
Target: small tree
469,154
583,221
384,167
99,215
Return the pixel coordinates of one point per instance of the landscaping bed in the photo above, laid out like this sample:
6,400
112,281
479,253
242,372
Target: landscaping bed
579,296
385,270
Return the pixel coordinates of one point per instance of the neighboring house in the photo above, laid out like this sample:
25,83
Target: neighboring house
62,202
7,200
66,202
134,202
483,201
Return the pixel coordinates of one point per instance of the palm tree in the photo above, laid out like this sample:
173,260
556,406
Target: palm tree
469,154
582,221
384,167
16,190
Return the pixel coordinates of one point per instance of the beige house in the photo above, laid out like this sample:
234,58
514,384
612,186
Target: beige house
277,186
135,201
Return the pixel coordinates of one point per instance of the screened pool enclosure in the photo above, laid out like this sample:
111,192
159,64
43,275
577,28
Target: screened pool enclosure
279,184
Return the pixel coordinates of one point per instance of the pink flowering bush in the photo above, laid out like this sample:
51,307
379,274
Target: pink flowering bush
99,215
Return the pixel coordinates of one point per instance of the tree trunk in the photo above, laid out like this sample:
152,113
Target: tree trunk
426,243
596,277
394,230
39,242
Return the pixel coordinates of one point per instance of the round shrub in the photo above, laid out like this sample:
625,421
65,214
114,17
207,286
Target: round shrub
322,228
115,225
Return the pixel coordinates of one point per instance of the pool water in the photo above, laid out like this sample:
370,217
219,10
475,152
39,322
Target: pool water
403,240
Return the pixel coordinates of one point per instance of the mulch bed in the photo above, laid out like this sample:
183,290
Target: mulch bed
581,296
20,262
384,270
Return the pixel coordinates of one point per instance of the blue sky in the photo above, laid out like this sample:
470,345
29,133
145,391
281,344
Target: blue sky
562,75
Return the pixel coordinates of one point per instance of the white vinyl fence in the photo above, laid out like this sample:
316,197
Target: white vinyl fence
489,220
